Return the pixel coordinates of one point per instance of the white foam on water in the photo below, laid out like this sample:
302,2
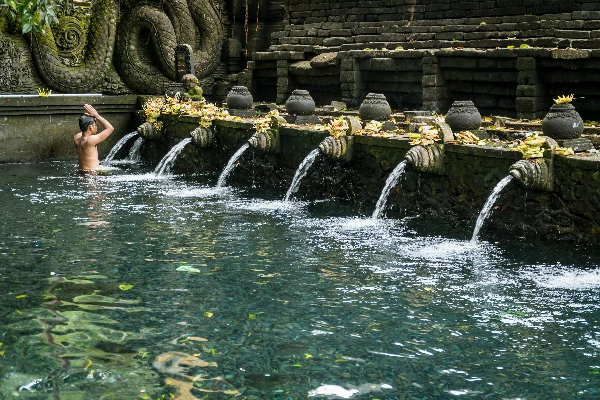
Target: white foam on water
201,192
566,278
267,206
333,390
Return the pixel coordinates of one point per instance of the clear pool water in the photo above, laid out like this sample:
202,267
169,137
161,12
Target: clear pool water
125,286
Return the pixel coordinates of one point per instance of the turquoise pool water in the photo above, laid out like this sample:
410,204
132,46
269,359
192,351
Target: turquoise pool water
125,286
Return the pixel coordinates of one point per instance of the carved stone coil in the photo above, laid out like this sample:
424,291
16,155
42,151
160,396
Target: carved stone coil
203,137
535,174
337,148
427,159
98,52
72,58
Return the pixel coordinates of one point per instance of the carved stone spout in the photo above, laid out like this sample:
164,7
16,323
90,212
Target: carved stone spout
148,131
537,173
427,159
268,141
203,137
533,174
340,148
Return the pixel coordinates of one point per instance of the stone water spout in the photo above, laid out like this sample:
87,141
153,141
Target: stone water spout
427,159
203,137
342,147
148,131
430,159
339,149
537,173
268,141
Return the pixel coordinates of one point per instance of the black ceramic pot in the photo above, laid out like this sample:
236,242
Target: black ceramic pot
300,103
463,116
239,98
375,107
562,122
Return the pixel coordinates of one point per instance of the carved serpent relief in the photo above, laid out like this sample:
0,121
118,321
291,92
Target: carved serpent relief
140,39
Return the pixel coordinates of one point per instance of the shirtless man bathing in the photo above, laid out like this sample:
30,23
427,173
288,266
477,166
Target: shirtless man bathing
87,140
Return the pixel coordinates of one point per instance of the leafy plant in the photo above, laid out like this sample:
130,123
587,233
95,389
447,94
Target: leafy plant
43,92
33,15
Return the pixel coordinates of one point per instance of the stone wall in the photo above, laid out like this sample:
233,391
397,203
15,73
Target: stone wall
569,214
34,128
509,57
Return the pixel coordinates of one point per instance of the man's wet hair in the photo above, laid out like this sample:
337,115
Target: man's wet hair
85,121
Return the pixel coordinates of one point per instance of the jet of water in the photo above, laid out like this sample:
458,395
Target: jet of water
390,183
134,152
301,173
117,147
485,211
164,166
231,165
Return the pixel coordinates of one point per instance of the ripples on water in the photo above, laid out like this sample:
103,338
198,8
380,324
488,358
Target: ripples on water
273,299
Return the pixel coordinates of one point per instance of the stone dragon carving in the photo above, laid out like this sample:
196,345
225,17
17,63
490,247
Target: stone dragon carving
139,38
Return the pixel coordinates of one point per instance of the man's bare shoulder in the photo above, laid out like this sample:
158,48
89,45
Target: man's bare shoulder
77,137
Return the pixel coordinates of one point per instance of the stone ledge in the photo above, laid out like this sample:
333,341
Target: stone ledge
395,142
72,104
483,151
589,162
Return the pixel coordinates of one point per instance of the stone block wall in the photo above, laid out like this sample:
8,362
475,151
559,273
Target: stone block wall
509,56
570,213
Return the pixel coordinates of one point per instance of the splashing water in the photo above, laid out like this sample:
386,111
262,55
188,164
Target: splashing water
134,153
390,183
485,211
164,166
231,165
301,173
117,147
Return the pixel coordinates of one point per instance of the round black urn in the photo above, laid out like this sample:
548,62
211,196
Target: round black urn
463,116
239,98
300,103
562,122
375,107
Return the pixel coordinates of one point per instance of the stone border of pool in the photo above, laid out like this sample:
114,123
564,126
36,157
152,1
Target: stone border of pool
35,128
570,213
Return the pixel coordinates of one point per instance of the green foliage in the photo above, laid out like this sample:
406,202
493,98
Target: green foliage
32,14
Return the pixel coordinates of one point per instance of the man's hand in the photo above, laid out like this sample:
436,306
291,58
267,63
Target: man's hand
91,111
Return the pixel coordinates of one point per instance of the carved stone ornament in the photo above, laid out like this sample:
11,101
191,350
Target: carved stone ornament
203,137
535,174
463,116
427,159
375,107
9,65
70,34
184,61
562,122
239,98
147,131
300,103
340,148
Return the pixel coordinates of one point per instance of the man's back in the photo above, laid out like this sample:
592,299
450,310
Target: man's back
87,154
87,140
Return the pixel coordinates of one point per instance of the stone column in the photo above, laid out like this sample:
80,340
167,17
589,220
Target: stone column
435,97
283,81
531,93
353,87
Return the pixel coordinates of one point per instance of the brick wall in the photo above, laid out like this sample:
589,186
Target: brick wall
313,11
